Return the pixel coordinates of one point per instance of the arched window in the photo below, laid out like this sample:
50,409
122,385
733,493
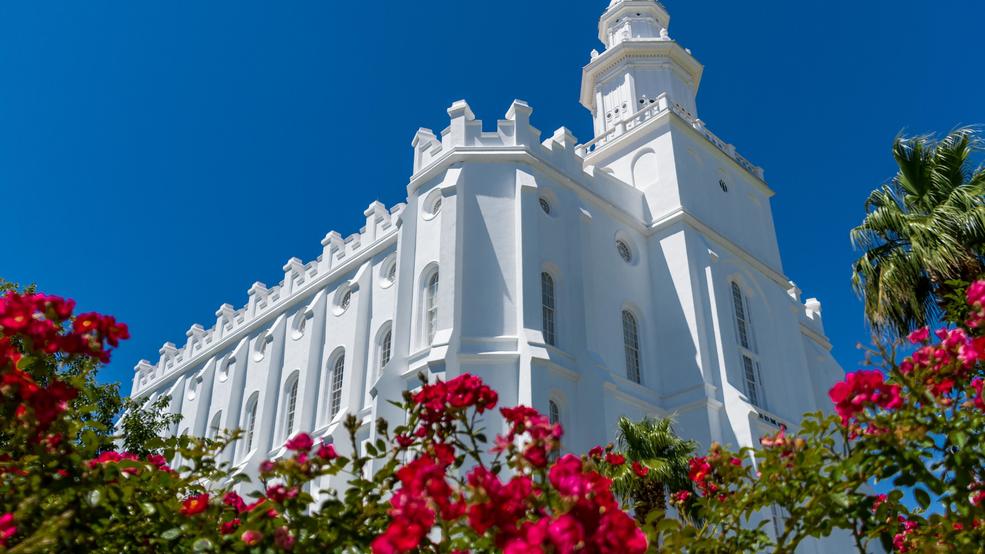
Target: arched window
215,425
250,421
549,308
751,375
431,308
385,348
631,344
292,405
335,394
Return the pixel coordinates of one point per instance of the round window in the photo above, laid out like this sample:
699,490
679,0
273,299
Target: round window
624,252
545,205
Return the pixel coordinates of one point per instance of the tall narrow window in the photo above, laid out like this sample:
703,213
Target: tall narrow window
631,344
549,308
741,316
431,308
215,425
385,348
335,396
251,421
292,405
751,376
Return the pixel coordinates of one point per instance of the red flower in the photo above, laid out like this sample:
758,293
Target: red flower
615,459
681,497
195,504
279,493
327,452
235,501
228,527
639,469
595,452
301,442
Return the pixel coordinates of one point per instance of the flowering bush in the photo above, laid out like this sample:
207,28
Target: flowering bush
914,426
433,483
434,486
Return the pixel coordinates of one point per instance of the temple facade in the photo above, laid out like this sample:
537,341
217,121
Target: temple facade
634,274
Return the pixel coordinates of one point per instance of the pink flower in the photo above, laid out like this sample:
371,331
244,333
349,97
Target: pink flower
301,442
7,528
283,538
251,537
267,466
566,534
862,389
920,335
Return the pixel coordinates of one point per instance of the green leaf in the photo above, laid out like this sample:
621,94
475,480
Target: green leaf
922,498
171,534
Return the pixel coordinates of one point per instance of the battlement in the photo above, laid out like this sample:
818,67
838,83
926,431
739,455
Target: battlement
299,278
516,134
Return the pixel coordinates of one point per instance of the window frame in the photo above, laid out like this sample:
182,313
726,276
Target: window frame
384,346
250,421
336,385
750,369
291,404
430,306
548,308
634,371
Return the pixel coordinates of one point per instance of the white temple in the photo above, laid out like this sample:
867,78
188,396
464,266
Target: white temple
634,274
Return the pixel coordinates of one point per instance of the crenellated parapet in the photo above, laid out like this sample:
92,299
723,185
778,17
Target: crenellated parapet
299,279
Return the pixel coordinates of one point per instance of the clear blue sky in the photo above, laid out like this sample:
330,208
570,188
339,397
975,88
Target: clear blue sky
157,157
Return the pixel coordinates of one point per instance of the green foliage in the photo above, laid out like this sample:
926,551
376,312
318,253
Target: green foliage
653,445
142,424
921,230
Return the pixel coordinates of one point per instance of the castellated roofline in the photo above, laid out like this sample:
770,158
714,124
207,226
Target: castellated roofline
299,279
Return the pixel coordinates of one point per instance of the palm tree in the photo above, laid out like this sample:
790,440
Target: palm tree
654,445
924,228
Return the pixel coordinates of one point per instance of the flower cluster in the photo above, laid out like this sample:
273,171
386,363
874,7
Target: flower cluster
40,318
156,461
465,391
976,301
542,436
860,390
424,493
901,541
594,516
37,323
